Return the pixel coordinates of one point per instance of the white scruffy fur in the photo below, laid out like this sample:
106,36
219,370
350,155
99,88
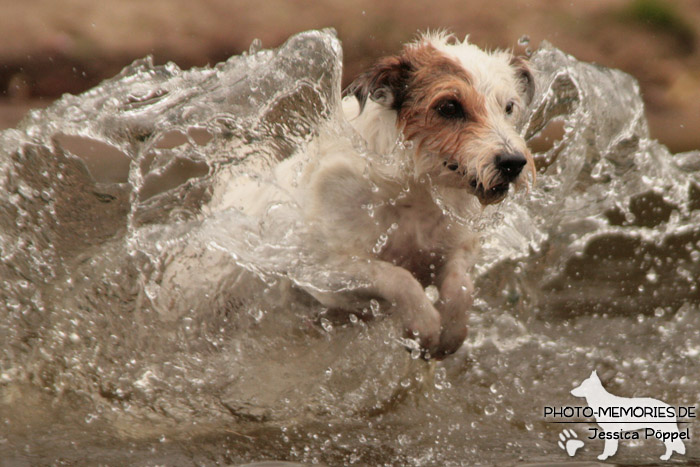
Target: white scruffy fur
438,120
424,244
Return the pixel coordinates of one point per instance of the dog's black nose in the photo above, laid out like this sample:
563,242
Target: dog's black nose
510,165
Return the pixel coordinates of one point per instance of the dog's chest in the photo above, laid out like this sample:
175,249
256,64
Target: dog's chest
417,239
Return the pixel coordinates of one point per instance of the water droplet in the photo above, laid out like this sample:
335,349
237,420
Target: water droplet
257,314
403,440
524,40
652,276
151,290
509,413
326,325
381,243
255,46
432,293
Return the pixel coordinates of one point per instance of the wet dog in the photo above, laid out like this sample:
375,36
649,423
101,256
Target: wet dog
439,121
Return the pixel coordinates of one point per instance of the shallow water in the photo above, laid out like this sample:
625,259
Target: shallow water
149,321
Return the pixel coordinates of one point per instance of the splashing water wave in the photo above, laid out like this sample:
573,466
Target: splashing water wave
143,305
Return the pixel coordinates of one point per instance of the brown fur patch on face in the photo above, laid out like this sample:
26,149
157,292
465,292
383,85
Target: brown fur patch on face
438,79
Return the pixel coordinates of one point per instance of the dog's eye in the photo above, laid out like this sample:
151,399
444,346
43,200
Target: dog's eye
509,107
451,109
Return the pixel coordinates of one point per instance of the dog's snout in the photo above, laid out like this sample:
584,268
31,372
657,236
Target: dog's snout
510,164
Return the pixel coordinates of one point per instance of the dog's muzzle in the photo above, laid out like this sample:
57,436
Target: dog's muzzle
509,165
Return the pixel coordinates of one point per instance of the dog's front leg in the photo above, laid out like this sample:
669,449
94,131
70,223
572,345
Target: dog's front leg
394,285
456,296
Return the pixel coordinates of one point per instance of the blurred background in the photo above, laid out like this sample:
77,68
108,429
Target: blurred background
50,47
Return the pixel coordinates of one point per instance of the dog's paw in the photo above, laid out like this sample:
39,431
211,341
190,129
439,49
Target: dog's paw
451,339
569,442
422,332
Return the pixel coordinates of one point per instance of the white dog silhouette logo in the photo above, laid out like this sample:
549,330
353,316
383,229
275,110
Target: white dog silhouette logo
617,415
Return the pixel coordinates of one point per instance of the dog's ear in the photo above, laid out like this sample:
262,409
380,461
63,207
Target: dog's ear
524,75
385,83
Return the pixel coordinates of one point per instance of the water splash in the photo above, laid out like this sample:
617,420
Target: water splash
149,303
604,186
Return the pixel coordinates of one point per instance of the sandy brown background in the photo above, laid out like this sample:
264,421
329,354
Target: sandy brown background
49,47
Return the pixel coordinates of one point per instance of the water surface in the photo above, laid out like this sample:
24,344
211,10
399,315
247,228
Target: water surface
146,320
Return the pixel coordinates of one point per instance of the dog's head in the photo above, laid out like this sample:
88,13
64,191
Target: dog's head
459,106
588,387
